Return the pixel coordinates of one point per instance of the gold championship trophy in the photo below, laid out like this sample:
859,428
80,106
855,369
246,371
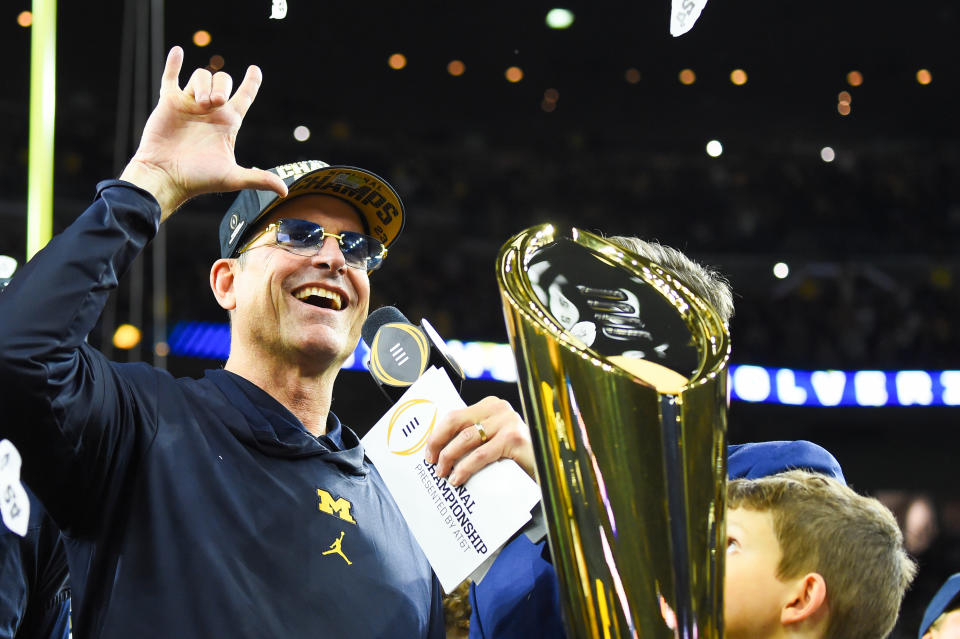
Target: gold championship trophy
622,374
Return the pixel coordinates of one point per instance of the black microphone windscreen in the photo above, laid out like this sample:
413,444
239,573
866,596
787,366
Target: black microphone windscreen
376,319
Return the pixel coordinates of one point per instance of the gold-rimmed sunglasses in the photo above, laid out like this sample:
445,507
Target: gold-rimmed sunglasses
306,238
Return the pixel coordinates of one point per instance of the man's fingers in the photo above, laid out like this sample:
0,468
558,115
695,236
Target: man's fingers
247,91
453,452
446,430
457,445
515,444
170,81
453,426
199,86
221,87
477,460
469,453
258,179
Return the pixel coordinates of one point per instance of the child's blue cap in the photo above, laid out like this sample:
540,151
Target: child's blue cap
762,459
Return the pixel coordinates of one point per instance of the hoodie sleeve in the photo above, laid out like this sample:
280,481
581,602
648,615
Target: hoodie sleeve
73,416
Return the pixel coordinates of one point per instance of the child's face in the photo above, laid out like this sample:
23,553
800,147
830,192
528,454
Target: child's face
946,627
752,595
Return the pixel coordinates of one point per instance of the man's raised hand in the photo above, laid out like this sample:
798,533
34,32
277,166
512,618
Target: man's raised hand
187,147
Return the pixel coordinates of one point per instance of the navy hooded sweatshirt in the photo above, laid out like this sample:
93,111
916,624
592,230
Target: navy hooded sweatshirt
191,508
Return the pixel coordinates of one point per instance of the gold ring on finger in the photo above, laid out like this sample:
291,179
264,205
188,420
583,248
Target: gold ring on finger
481,431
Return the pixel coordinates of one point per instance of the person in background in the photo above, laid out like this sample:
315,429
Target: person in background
34,580
941,619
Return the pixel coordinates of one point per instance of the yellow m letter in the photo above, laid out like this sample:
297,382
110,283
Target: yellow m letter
339,507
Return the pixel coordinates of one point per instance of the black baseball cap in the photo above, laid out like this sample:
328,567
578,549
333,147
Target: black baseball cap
378,204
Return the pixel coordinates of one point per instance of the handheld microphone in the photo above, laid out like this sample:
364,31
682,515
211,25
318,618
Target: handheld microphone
400,351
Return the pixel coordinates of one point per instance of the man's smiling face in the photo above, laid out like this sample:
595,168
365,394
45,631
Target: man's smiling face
304,310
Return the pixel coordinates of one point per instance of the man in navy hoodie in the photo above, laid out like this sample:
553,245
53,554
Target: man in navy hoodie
235,505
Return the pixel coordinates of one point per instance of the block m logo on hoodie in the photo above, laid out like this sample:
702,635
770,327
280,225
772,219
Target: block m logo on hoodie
338,507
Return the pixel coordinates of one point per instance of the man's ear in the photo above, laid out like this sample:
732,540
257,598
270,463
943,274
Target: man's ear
808,600
221,281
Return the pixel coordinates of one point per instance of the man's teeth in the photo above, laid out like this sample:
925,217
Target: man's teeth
304,293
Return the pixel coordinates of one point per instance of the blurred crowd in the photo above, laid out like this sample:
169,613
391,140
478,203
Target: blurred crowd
868,237
872,279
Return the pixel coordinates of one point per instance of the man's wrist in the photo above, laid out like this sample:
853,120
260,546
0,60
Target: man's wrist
155,181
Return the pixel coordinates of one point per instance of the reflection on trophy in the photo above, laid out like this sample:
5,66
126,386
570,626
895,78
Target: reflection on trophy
622,374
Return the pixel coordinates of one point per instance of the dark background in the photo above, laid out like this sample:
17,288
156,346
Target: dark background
870,238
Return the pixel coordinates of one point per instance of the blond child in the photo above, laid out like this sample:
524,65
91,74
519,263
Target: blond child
807,557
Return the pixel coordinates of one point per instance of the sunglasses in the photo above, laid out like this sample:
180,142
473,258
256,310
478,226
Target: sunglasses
306,238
